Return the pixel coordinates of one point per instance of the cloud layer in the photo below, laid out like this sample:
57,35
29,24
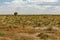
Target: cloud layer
30,7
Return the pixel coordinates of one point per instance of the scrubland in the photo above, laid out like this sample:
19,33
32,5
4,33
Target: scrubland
29,27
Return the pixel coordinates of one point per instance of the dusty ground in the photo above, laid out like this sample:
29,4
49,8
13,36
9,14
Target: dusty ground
30,27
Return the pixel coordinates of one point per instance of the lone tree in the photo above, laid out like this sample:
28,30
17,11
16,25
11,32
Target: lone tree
15,13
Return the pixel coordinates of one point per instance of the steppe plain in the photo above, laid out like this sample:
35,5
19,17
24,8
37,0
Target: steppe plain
29,27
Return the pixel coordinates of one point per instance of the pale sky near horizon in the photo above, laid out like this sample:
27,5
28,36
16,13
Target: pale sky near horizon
30,6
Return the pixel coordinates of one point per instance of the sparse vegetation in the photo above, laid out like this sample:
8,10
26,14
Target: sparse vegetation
17,24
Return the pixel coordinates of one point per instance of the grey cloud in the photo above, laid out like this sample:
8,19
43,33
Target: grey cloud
50,4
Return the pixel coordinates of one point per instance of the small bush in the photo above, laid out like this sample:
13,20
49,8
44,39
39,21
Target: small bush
49,29
42,36
2,33
26,38
58,22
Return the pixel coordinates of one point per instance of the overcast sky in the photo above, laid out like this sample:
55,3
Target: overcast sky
30,6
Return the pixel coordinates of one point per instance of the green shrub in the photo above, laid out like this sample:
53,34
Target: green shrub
2,33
